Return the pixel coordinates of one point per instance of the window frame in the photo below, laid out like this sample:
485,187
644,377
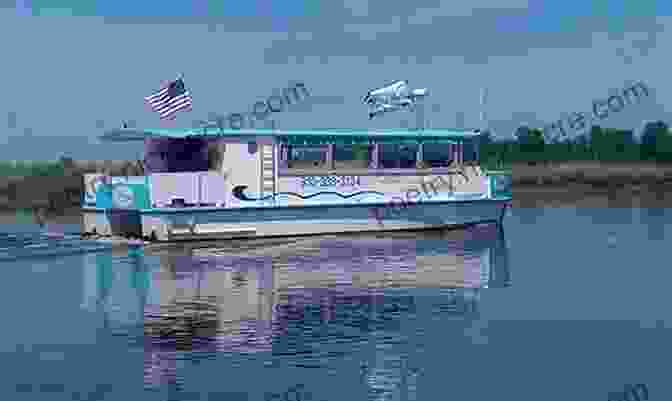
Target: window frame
372,167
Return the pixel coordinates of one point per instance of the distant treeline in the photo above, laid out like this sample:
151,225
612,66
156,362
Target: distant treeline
68,166
529,146
600,144
31,168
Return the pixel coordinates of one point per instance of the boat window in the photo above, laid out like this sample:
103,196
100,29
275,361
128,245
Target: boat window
172,155
352,156
470,152
398,155
438,154
302,157
216,155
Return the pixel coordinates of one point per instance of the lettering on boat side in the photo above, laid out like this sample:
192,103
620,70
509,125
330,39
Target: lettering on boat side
331,181
413,195
350,180
638,392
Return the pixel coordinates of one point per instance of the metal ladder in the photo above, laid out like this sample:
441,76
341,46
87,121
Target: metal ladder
267,170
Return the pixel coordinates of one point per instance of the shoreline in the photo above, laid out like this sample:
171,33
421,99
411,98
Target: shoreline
597,174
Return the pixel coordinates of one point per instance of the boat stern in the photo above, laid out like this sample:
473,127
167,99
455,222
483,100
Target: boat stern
111,205
499,184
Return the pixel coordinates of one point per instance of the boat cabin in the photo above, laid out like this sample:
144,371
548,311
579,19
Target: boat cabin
200,167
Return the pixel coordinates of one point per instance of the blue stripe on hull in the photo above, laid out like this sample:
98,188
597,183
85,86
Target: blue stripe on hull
323,219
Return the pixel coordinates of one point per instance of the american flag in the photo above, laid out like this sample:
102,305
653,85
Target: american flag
170,99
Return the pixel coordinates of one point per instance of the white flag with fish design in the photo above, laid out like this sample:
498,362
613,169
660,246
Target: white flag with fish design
393,97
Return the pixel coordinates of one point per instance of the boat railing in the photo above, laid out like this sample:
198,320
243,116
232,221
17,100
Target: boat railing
187,189
367,171
205,188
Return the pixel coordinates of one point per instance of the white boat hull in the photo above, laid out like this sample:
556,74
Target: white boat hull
171,224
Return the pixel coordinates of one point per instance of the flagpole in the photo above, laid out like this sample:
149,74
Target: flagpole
484,115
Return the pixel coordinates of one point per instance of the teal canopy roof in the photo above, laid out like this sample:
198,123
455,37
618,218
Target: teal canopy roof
301,137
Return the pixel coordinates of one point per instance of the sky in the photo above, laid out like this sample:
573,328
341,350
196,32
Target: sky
74,68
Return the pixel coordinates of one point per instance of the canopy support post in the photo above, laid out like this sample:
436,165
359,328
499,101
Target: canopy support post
375,156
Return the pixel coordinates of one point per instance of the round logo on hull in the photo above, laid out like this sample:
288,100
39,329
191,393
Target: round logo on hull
122,196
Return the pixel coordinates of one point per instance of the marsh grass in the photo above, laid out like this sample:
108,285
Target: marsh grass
67,166
31,168
496,165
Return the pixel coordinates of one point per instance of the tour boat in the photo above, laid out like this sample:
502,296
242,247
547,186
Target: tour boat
211,183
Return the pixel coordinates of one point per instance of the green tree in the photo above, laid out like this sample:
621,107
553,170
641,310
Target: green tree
664,146
617,145
530,143
597,143
655,141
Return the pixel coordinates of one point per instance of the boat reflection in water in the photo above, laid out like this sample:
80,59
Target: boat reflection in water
291,299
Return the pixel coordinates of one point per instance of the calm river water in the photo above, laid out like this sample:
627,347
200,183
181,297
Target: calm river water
565,303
